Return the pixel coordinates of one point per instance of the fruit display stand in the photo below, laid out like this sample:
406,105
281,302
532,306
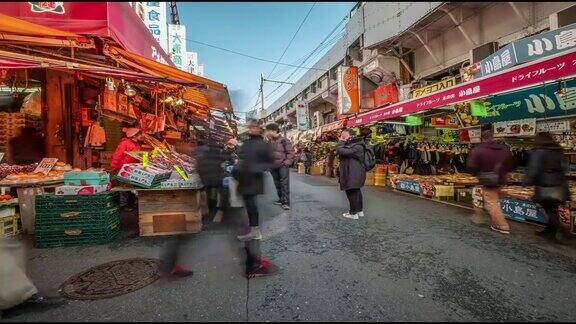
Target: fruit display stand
10,223
27,193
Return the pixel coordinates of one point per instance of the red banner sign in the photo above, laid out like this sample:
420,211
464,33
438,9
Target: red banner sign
523,76
116,20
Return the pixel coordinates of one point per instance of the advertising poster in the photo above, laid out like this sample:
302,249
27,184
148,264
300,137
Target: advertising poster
348,90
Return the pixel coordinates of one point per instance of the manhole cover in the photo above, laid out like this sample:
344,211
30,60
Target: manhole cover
112,279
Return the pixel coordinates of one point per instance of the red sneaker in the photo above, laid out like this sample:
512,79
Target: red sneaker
180,271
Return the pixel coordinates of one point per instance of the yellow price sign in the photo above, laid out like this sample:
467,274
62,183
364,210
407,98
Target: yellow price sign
181,172
145,159
155,152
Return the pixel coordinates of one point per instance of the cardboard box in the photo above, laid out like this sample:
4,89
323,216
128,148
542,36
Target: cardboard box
84,178
81,190
146,177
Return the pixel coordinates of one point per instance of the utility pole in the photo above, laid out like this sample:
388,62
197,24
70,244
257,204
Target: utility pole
262,90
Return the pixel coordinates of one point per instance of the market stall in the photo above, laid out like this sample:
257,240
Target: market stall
84,102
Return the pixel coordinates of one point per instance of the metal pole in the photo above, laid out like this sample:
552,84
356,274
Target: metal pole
262,90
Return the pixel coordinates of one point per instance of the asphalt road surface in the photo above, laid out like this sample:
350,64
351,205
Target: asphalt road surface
408,259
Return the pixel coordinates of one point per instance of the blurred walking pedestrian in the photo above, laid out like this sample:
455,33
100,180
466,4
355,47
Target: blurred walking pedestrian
352,174
306,158
254,158
211,159
490,162
17,292
283,159
546,173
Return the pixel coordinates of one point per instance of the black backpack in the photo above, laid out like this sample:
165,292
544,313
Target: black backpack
369,157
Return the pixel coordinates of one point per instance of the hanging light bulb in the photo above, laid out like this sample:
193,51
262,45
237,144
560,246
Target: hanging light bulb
169,99
179,102
129,91
110,84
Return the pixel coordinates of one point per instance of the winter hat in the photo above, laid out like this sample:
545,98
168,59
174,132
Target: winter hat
130,132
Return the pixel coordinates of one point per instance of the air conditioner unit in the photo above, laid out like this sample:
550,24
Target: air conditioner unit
481,52
382,69
563,18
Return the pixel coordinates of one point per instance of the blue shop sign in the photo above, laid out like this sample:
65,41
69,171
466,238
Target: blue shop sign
522,210
535,102
529,49
408,186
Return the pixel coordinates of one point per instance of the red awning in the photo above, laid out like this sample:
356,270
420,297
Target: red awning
543,70
333,126
17,64
115,20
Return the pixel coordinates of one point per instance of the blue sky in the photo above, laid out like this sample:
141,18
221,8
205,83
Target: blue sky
261,29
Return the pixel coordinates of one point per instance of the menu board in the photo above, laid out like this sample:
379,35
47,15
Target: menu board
522,127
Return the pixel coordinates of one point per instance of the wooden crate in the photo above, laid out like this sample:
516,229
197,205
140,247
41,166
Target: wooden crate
167,200
169,223
167,212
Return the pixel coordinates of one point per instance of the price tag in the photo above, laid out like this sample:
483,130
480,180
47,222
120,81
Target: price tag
181,172
1,156
155,152
46,165
145,159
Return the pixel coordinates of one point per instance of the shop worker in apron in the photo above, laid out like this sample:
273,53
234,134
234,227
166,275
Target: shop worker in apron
491,162
283,158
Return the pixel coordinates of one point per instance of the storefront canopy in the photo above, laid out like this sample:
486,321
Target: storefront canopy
15,26
112,20
526,75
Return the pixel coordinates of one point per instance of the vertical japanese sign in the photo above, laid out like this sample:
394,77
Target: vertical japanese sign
302,115
177,46
348,90
192,62
156,21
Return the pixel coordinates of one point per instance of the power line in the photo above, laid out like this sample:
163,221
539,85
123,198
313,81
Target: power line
251,56
318,48
291,40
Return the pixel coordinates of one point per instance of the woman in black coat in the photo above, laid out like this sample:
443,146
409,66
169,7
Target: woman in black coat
546,173
254,158
352,174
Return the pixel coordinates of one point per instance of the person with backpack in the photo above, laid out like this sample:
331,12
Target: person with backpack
283,159
491,162
352,170
546,173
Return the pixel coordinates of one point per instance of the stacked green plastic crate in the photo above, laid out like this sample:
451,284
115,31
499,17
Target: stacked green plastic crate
77,220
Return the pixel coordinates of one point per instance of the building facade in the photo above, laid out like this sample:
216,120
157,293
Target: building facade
412,45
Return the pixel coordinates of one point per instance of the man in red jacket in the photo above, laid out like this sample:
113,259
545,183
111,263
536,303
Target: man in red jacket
283,153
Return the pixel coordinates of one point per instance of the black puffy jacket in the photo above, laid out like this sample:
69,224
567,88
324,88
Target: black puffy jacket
545,169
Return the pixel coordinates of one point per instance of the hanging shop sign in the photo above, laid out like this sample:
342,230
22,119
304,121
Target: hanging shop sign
530,49
561,66
446,83
348,90
447,121
123,104
553,126
523,127
109,100
535,102
470,135
177,46
500,60
302,118
385,94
